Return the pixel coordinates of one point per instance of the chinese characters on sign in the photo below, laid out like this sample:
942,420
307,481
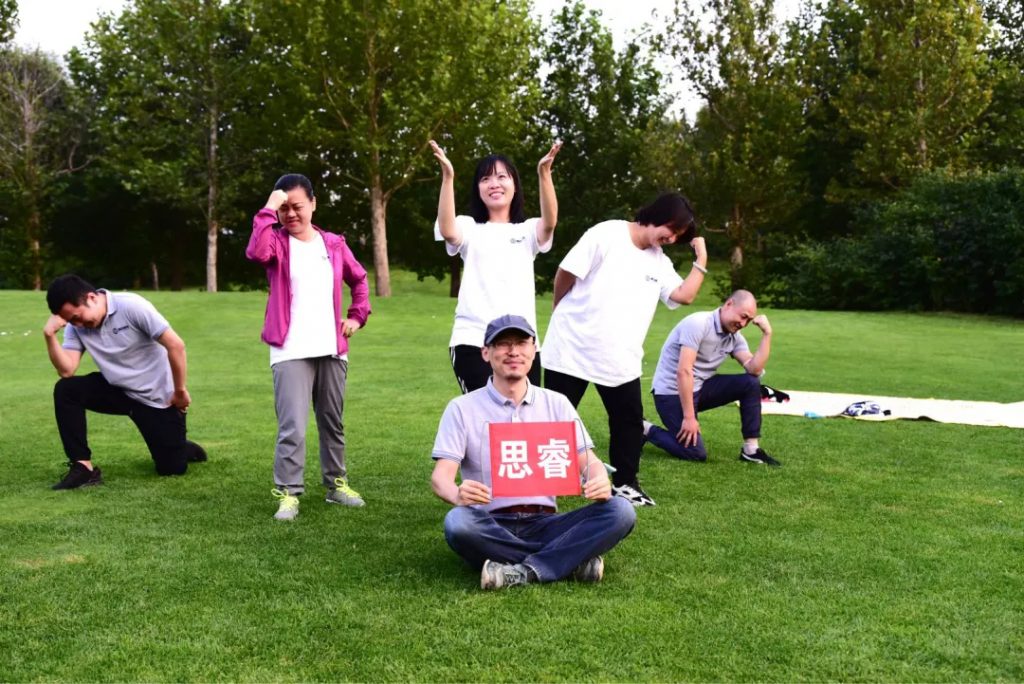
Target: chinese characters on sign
534,459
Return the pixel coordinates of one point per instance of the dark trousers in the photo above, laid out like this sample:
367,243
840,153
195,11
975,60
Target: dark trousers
718,390
163,429
625,409
472,372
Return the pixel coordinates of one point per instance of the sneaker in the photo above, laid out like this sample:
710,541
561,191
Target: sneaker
502,575
288,508
79,476
633,494
196,453
760,457
591,570
647,428
344,495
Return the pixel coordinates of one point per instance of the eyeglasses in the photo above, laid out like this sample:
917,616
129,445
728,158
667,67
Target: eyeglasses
507,345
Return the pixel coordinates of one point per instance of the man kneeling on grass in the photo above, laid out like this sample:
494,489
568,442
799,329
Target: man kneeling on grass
142,375
686,380
518,540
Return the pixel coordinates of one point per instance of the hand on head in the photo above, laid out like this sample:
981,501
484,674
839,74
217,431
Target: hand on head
276,199
699,248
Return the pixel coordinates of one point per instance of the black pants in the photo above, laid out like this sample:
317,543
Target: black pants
163,429
625,419
472,372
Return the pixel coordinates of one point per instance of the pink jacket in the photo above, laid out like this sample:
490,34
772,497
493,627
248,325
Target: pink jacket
269,247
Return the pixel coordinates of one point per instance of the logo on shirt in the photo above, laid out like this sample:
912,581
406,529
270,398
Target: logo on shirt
650,279
117,330
517,240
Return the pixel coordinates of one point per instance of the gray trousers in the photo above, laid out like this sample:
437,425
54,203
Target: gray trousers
296,382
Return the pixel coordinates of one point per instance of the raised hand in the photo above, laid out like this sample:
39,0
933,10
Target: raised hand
447,170
544,165
700,250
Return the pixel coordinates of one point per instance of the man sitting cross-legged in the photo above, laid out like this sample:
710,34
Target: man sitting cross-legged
686,382
518,540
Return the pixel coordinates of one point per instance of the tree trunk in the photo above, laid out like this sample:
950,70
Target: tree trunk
35,223
378,223
212,226
155,273
455,269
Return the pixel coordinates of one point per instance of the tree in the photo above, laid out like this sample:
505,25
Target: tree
8,20
600,103
381,77
919,89
168,79
742,173
39,138
1002,143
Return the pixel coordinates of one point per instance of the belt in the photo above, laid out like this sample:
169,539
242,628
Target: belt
532,509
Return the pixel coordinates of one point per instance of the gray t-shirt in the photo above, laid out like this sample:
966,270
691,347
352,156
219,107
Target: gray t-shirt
462,435
701,331
125,349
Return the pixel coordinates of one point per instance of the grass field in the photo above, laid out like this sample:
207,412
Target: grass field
880,551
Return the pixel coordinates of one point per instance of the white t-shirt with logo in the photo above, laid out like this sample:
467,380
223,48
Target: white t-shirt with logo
311,330
597,330
498,275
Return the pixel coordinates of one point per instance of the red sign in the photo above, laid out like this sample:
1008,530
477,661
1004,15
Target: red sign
534,459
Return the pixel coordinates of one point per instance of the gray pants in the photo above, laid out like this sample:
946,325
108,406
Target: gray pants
296,382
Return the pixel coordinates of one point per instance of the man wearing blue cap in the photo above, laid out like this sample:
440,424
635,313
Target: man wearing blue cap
519,540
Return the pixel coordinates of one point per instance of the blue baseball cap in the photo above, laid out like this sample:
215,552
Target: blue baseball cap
507,322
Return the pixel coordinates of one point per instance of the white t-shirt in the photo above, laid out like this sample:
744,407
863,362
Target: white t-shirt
597,330
311,330
498,275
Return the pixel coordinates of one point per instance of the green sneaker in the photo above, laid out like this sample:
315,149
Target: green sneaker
344,495
288,508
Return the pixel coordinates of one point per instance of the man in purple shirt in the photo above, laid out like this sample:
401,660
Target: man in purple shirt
519,540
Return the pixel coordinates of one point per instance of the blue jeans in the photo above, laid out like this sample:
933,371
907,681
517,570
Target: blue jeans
718,390
553,544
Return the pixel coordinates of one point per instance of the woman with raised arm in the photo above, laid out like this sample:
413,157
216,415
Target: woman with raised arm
308,336
497,244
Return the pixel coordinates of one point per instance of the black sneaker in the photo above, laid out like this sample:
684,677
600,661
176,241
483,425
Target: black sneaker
633,494
195,453
759,457
79,476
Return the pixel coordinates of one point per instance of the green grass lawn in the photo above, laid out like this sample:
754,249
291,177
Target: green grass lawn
880,551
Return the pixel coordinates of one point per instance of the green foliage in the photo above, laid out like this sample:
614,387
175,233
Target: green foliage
8,20
944,244
878,552
40,130
374,81
918,90
171,86
739,163
600,103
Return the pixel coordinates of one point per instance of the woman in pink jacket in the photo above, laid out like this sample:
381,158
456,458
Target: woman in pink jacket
308,336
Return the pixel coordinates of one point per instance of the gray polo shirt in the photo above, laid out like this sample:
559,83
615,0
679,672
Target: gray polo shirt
462,435
701,331
125,349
